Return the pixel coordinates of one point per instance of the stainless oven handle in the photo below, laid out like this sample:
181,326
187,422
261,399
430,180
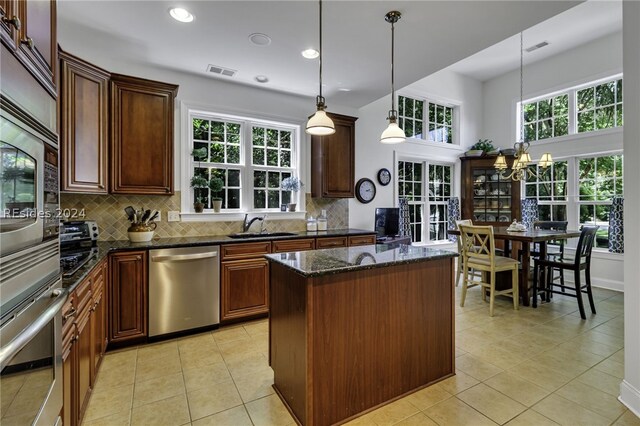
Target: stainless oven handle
180,257
8,351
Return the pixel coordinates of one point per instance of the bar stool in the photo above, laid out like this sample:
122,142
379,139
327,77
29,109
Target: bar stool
582,261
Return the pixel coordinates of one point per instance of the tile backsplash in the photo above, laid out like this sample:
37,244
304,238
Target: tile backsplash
108,212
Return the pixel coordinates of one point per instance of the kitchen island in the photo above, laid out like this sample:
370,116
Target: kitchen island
355,328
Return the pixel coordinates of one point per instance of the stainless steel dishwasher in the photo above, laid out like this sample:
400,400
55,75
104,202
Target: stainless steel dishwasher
184,289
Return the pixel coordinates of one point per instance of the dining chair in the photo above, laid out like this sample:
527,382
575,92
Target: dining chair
459,240
478,252
581,261
555,248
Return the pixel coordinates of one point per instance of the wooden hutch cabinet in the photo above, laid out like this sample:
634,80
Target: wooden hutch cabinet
487,197
333,160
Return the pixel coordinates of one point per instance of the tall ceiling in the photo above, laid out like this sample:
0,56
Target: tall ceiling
356,40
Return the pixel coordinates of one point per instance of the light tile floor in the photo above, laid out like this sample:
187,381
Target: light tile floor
541,366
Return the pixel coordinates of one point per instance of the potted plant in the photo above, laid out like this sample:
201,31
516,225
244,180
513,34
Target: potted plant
215,185
292,184
198,183
483,146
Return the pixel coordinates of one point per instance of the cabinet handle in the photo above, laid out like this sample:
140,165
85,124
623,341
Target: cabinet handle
14,21
101,186
71,313
28,41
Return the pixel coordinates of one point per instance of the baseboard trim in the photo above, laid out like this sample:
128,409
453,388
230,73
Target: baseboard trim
630,397
601,283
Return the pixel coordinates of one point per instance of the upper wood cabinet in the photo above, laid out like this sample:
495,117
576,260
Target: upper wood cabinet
142,136
333,160
84,109
28,29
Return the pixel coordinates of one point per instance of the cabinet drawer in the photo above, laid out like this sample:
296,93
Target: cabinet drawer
246,250
83,296
332,242
68,318
293,245
68,337
362,240
98,279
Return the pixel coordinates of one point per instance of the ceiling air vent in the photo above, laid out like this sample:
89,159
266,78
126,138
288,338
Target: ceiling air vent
537,46
227,72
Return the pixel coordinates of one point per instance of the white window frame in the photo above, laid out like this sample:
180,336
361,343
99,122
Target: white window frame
573,110
190,111
554,200
425,204
455,119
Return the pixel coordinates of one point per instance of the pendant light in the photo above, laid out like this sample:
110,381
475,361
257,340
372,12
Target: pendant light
320,124
393,133
520,169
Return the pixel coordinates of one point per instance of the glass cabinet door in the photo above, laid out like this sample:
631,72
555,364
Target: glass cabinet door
491,196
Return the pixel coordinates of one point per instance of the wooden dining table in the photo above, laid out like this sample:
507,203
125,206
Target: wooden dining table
540,236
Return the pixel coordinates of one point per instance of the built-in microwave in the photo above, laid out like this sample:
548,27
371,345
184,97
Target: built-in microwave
29,223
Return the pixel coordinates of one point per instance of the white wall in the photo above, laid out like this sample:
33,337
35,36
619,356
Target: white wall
371,155
630,388
220,95
598,59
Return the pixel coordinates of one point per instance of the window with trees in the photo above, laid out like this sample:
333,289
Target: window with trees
550,189
438,119
251,157
599,106
412,182
546,118
599,179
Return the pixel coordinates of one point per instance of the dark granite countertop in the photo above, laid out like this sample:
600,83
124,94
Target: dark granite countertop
332,261
105,247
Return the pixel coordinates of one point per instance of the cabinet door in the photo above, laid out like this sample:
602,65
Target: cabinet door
38,44
84,362
68,387
128,296
142,135
245,288
333,160
9,22
84,91
98,321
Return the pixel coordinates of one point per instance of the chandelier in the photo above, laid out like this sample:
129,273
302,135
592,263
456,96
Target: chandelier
520,169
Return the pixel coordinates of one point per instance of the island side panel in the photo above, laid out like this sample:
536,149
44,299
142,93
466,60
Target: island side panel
378,334
288,337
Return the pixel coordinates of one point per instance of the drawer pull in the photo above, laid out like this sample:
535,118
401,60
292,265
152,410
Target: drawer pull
71,313
28,41
14,21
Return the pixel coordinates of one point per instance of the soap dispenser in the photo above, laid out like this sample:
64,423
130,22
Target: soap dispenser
322,221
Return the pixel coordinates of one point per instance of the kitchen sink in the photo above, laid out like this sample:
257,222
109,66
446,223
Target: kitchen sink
260,234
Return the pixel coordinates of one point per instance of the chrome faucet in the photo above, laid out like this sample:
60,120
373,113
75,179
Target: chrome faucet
247,224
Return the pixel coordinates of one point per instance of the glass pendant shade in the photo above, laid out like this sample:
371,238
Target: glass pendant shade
320,124
392,134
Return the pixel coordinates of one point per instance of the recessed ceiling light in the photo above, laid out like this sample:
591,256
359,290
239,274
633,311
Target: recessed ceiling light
262,78
310,53
260,39
344,89
180,14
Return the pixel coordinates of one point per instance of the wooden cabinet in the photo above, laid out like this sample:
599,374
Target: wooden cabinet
488,198
84,108
28,29
99,316
244,280
331,242
362,240
69,357
142,136
281,246
128,297
333,160
84,361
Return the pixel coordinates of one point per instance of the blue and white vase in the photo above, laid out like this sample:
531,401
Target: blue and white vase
404,225
616,225
453,211
529,212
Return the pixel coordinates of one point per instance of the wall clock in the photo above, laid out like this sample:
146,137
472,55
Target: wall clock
365,190
384,177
